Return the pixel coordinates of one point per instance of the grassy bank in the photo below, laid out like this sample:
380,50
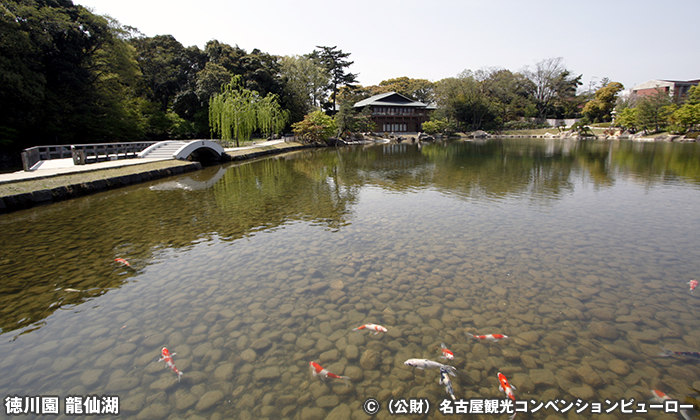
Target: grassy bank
32,185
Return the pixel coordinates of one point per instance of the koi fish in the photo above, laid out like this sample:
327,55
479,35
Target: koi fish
317,370
506,387
693,284
425,363
488,337
446,353
168,358
376,328
445,380
660,397
667,353
122,261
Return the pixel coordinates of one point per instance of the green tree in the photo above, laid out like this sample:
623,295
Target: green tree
334,61
653,111
163,61
687,117
237,112
364,122
627,119
316,127
600,108
345,119
305,81
507,92
271,118
417,89
463,100
551,81
68,74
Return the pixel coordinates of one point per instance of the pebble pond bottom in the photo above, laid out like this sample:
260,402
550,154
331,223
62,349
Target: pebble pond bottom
249,280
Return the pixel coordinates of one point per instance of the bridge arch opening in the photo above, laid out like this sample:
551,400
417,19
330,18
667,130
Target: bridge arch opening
205,156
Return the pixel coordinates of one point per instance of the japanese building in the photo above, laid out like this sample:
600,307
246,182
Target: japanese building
393,112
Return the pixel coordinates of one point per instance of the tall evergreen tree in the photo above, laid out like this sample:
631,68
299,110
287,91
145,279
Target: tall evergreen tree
335,62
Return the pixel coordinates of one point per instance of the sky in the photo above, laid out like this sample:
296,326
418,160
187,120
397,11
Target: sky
628,41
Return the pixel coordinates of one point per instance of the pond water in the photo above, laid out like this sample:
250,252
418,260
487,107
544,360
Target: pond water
580,252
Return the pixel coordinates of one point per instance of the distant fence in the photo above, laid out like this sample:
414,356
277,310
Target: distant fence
82,153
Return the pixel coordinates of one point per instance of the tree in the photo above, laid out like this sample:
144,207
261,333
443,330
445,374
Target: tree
67,73
316,127
334,61
687,117
417,89
237,112
345,118
600,108
627,119
654,110
550,80
271,118
305,80
507,92
364,122
464,100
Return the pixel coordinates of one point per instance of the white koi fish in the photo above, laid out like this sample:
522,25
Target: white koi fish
445,380
425,363
374,327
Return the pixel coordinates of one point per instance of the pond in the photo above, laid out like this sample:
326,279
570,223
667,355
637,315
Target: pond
579,252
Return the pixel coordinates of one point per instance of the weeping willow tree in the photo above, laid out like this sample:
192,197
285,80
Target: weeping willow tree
271,117
236,113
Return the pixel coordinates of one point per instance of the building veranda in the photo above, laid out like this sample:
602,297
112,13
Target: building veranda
393,112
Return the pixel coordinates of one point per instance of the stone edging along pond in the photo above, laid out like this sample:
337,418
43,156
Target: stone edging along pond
71,189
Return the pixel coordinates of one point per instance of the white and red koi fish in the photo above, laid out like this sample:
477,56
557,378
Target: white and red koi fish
374,327
168,358
667,353
693,284
426,363
488,337
122,261
317,370
659,397
446,353
445,380
506,387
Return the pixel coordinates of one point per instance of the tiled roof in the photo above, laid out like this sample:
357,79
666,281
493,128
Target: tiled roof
390,99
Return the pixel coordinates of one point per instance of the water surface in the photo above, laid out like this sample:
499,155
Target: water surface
578,251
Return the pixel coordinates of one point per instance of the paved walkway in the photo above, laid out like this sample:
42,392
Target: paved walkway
54,167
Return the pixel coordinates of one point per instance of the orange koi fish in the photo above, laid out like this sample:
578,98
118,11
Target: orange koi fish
122,261
317,370
659,397
506,387
446,353
693,284
488,337
168,358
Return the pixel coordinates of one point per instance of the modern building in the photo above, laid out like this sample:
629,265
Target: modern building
678,90
393,112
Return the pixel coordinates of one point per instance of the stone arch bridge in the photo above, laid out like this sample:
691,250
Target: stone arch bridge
200,150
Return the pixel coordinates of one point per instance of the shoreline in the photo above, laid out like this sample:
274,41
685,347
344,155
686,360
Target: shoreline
25,193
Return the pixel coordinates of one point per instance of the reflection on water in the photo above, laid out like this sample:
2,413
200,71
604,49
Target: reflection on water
579,251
